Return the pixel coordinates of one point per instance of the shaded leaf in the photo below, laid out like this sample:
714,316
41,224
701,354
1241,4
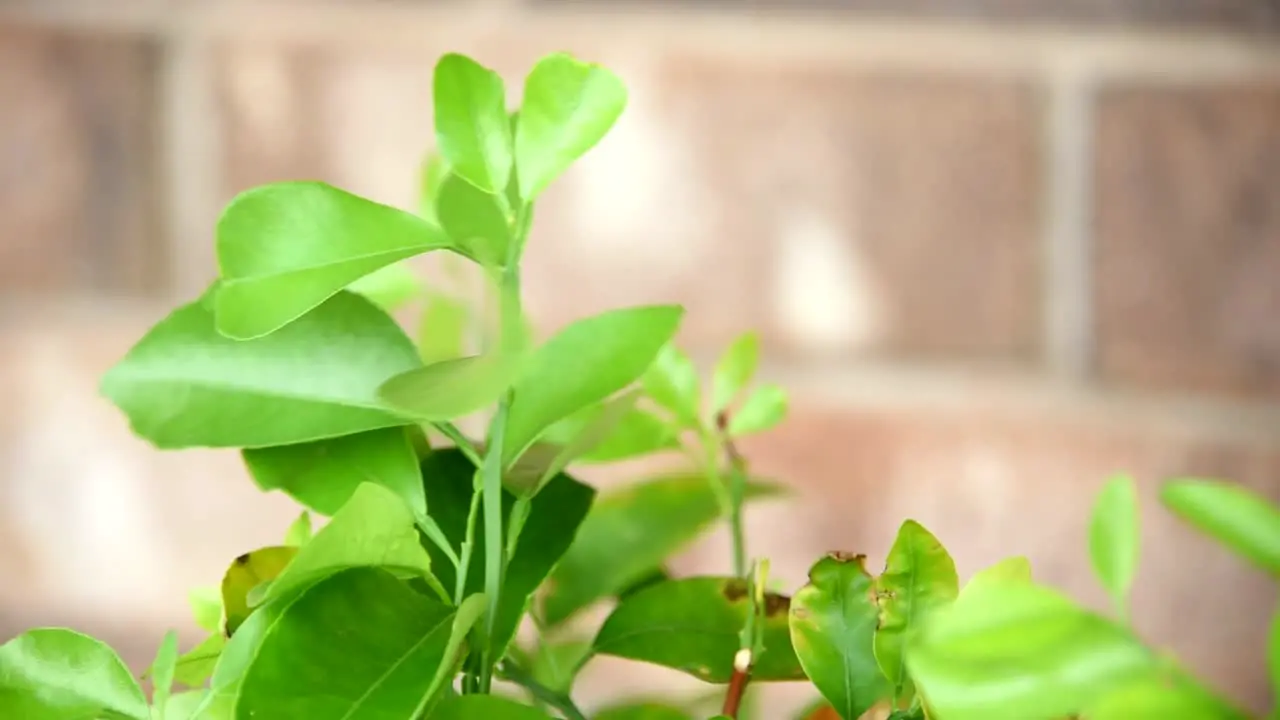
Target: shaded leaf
672,382
390,288
734,370
299,531
359,644
56,674
206,608
583,431
642,711
246,573
442,329
285,248
692,625
1113,539
1231,514
568,107
475,221
162,669
185,385
556,664
919,577
833,623
450,389
764,408
488,707
583,364
630,532
1019,651
473,131
196,665
323,475
552,523
469,613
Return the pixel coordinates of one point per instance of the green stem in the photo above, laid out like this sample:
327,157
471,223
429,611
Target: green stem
468,544
452,432
491,493
559,701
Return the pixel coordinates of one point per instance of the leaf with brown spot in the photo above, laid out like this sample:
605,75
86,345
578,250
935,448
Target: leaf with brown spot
246,573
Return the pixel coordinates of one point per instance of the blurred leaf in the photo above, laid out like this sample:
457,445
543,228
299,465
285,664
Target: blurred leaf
553,520
599,421
734,370
434,170
475,221
206,608
442,329
1161,698
286,248
583,364
451,389
833,624
630,532
185,385
468,614
358,645
692,625
390,288
1273,654
299,531
374,529
764,408
1232,515
1012,569
653,577
485,707
642,711
1018,651
162,669
196,665
473,131
556,664
672,382
248,572
568,107
323,475
919,577
1113,539
182,706
57,674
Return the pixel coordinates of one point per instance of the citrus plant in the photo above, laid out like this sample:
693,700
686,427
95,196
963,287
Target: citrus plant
442,546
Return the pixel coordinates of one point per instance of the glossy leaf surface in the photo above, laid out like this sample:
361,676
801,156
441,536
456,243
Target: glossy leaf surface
56,674
1231,514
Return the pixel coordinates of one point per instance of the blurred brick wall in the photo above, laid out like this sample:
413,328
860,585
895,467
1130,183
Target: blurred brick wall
999,250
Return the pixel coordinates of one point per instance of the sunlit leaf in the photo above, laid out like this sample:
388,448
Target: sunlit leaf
182,706
1012,569
442,329
195,666
299,531
473,131
764,408
672,382
57,674
1113,539
734,370
390,288
1232,515
162,669
1158,697
475,221
206,607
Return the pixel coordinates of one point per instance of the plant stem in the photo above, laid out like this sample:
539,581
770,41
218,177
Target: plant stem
452,432
494,561
558,700
468,545
737,684
737,492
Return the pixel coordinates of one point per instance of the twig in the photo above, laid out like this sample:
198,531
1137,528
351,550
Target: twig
737,684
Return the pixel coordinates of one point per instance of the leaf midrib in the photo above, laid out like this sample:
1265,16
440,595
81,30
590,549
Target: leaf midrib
359,702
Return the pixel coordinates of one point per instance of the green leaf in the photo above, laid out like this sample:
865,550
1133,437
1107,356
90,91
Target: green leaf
692,625
568,107
475,220
360,644
485,707
618,431
581,433
162,670
196,665
1019,651
672,382
442,329
185,385
374,529
1232,515
642,711
1273,653
553,521
182,706
583,364
323,475
734,370
764,408
283,249
1012,569
299,531
1113,539
833,623
56,674
206,608
469,612
434,170
246,573
556,664
1161,698
630,532
450,389
919,577
390,288
473,130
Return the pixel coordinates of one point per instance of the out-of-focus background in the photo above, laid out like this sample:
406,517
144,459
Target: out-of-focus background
998,250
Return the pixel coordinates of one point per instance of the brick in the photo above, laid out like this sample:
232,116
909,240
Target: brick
77,164
1188,238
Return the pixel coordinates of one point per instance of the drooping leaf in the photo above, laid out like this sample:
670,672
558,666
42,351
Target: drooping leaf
206,608
162,669
1113,539
764,408
672,382
1232,515
919,577
692,625
642,711
475,221
1162,698
442,329
359,644
390,288
196,665
583,364
299,531
568,107
374,529
1019,651
554,517
473,130
285,248
833,623
450,389
734,370
322,475
185,385
629,533
246,573
56,674
488,707
1011,569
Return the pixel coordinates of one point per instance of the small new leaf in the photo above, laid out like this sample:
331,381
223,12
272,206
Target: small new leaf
1232,515
763,409
1114,538
734,370
473,130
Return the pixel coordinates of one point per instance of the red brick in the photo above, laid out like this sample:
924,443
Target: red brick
1188,238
